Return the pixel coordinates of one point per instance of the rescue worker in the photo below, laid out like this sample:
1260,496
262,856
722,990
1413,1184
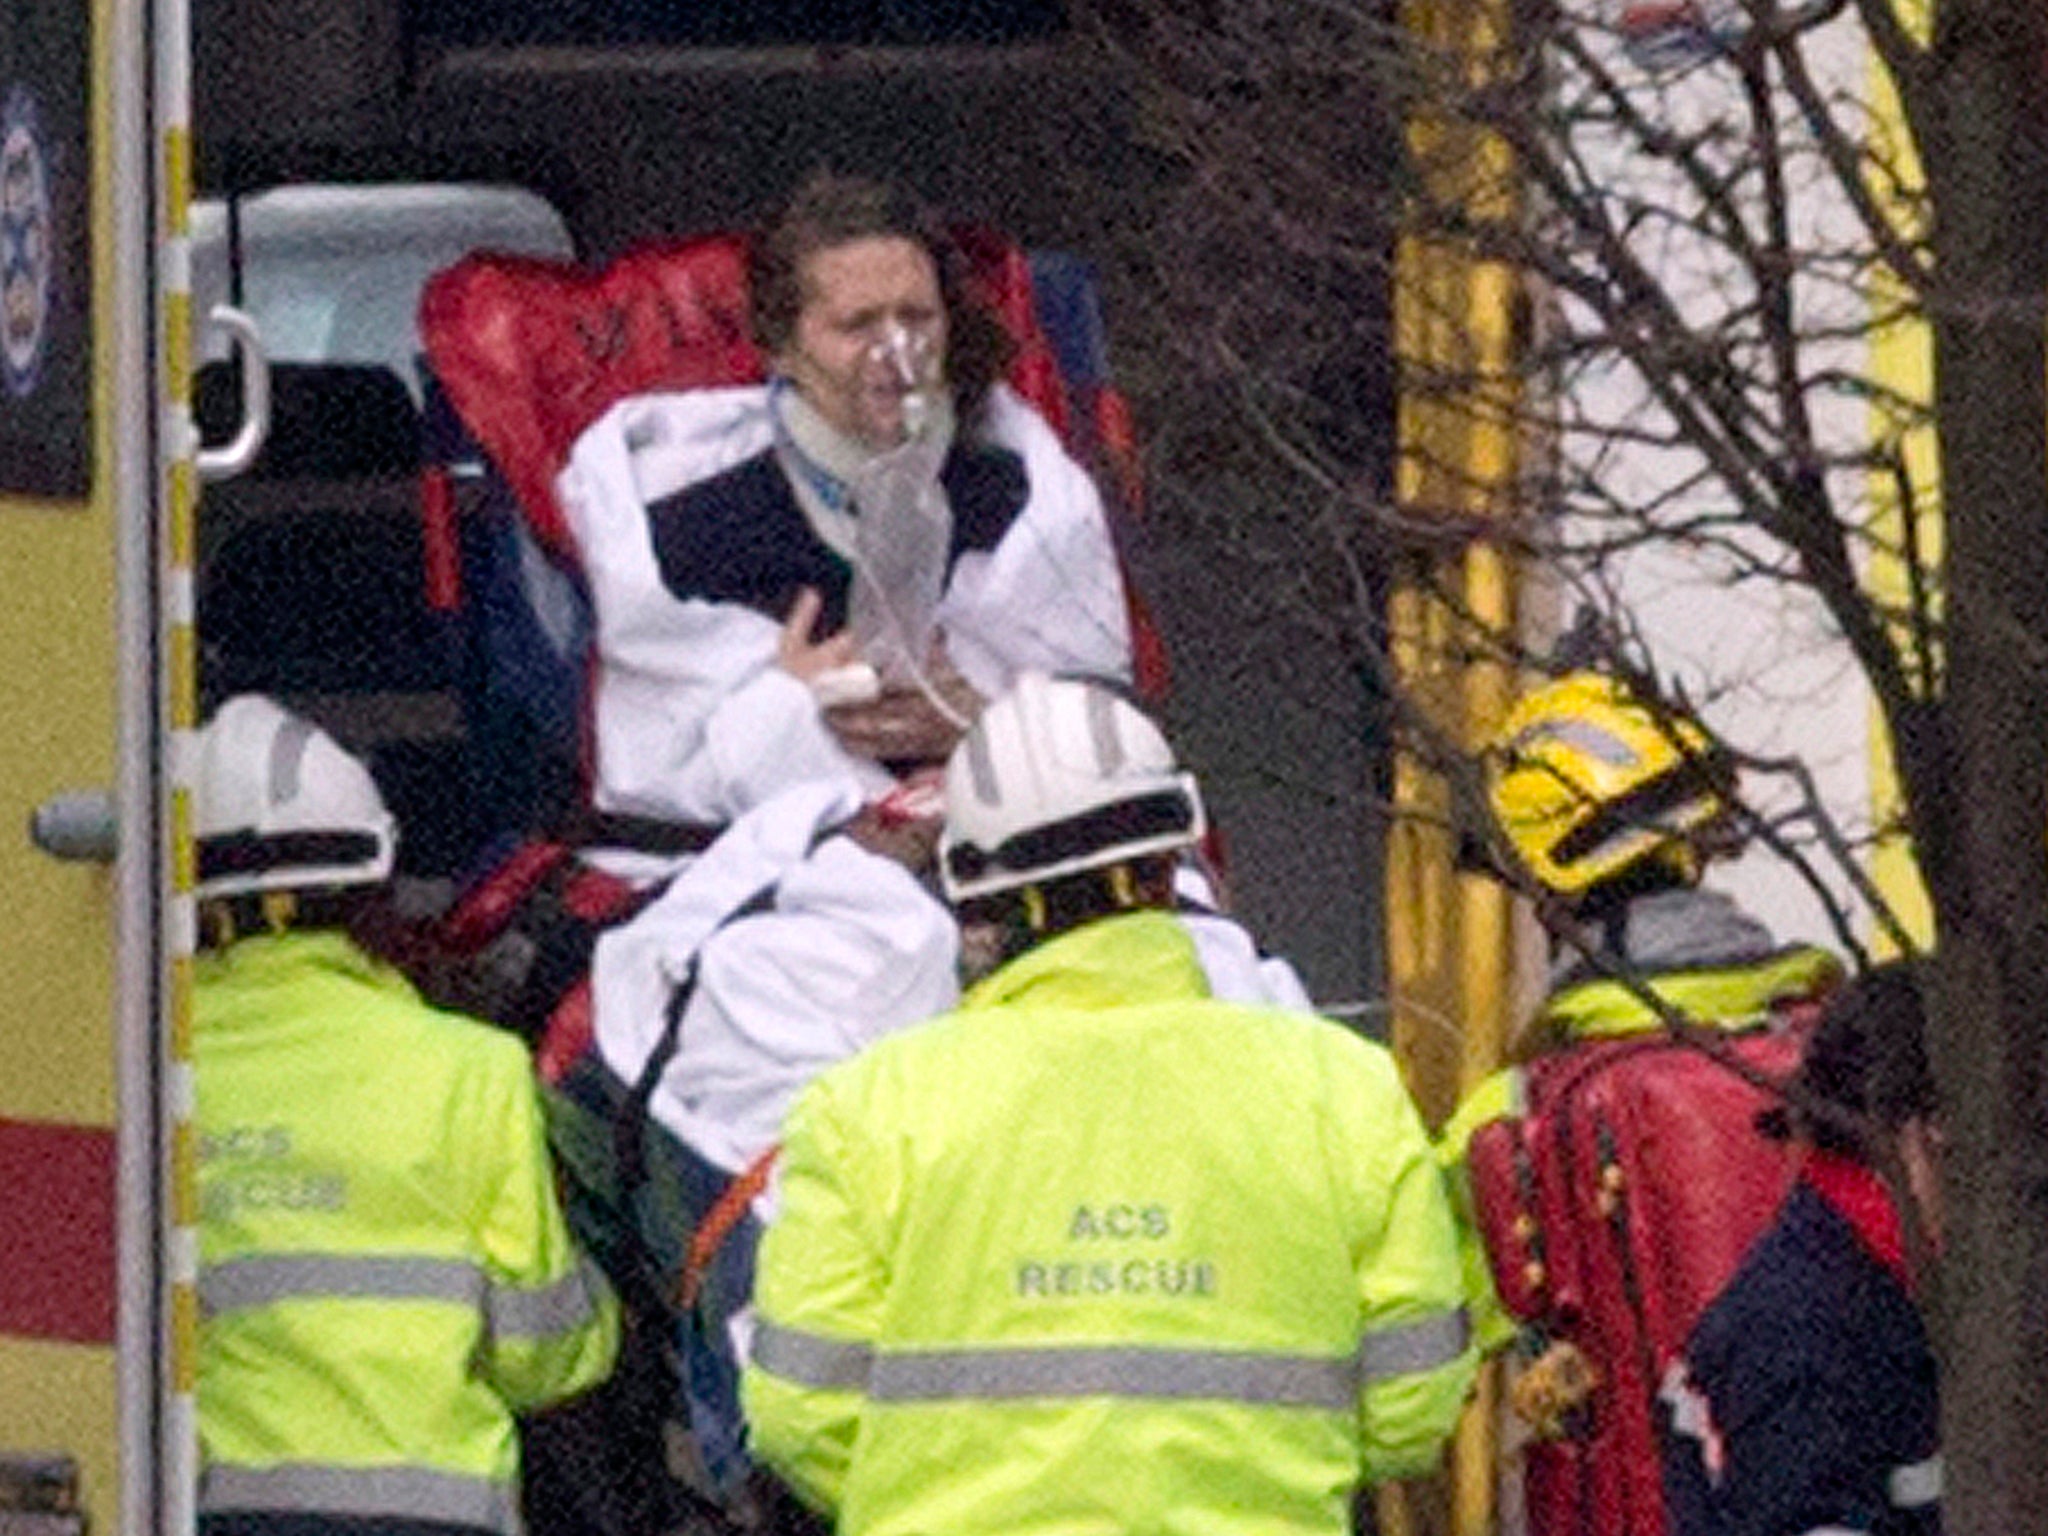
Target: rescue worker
1616,808
800,936
1097,1251
1807,1399
385,1278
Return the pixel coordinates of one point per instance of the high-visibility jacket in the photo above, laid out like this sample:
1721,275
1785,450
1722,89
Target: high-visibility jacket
1700,955
1098,1252
385,1273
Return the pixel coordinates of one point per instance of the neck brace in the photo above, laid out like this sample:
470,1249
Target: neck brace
822,462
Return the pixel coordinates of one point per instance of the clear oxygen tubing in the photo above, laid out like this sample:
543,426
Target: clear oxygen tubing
902,536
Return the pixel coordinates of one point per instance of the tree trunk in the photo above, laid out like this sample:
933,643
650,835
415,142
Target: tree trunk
1980,797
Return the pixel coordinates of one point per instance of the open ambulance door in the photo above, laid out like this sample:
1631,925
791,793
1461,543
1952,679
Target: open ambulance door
97,1308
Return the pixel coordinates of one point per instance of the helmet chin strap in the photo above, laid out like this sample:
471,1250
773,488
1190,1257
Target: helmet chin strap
1033,913
228,918
279,908
1019,924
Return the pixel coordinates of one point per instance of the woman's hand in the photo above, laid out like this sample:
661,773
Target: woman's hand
806,659
904,724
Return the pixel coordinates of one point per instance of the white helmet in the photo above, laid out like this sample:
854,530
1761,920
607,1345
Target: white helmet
1058,776
280,806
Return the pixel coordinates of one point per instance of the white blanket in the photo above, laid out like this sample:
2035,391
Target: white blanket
694,721
851,949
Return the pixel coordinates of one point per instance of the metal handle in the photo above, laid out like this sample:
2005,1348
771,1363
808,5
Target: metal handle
81,827
225,462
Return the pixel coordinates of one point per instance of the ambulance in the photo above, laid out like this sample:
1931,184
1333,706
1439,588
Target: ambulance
216,220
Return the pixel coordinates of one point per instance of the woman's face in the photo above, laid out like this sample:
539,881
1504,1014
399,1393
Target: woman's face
871,331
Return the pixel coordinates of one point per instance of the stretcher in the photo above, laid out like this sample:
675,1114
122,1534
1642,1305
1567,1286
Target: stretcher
521,356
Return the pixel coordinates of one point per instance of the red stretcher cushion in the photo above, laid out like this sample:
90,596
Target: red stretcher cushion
531,352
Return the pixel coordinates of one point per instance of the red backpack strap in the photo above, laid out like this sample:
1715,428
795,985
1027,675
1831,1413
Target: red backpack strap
570,1036
1508,1210
488,908
725,1214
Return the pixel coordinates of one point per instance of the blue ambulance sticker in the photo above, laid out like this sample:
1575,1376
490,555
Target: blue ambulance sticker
27,244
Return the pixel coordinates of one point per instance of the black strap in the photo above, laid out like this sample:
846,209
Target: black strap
1163,814
639,834
630,1131
248,852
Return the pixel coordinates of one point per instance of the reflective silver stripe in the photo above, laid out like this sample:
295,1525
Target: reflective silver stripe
551,1310
1835,1530
287,757
1300,1381
414,1493
809,1360
259,1281
981,768
1582,734
1916,1484
1109,746
965,1374
1291,1381
1407,1349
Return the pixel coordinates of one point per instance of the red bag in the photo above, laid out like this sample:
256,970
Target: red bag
1613,1210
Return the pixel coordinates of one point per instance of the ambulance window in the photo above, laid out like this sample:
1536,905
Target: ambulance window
332,274
309,572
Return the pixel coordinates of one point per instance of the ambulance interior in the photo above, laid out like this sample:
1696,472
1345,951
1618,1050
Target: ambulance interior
374,566
311,565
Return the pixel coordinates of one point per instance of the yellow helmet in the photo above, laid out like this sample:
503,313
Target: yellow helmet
1587,783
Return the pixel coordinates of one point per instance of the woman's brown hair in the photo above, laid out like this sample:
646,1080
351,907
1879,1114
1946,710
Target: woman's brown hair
829,210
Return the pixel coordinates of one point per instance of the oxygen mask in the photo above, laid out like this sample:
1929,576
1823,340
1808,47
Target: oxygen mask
909,358
904,527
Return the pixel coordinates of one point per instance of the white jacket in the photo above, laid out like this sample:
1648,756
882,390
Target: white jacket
1238,970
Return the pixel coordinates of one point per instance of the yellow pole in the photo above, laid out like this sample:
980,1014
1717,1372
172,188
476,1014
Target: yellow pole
178,486
1902,362
1451,952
